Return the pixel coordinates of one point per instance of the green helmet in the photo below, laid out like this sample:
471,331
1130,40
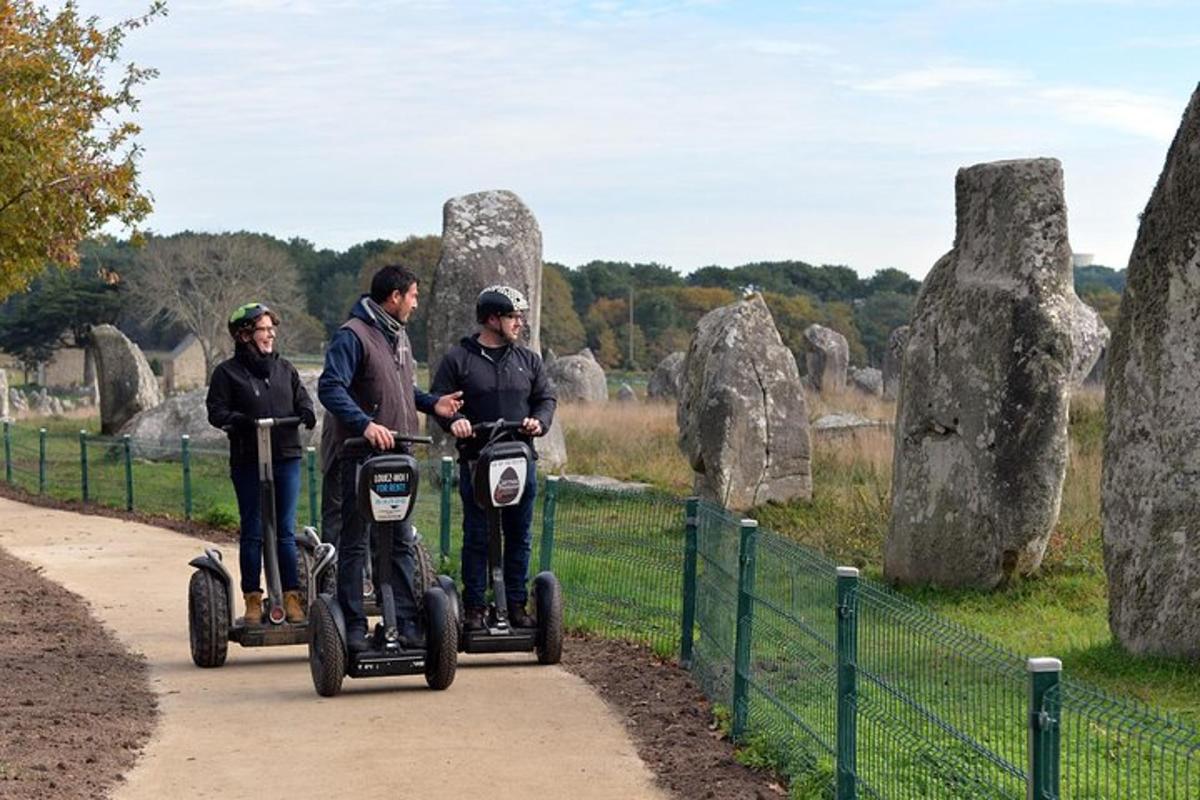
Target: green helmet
245,317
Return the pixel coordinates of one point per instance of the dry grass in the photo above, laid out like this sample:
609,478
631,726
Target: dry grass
634,441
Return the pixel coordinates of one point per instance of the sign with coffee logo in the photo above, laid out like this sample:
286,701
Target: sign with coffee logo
506,479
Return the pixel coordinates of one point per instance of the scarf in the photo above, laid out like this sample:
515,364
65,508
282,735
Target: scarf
259,364
385,322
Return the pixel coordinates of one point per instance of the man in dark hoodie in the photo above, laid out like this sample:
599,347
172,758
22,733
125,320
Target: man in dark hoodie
368,389
498,379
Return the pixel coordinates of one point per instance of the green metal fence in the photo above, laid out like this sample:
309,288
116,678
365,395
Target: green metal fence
855,690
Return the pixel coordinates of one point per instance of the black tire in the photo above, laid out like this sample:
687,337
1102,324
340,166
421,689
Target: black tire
548,596
424,575
208,619
441,638
326,654
304,568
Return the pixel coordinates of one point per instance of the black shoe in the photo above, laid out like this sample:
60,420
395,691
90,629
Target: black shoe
411,637
474,618
356,640
517,617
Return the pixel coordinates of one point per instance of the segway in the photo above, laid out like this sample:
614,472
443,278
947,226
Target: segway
211,621
386,492
498,481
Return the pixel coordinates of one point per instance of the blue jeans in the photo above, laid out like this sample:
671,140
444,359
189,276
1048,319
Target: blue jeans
352,556
287,490
518,538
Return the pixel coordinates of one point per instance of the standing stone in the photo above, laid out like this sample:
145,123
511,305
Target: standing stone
626,394
552,449
126,383
867,380
1150,488
3,394
1089,337
488,238
893,360
579,378
664,383
743,418
981,422
826,358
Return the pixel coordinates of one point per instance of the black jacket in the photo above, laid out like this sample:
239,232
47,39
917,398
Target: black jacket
513,387
236,395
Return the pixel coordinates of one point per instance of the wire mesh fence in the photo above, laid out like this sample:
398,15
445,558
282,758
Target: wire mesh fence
850,688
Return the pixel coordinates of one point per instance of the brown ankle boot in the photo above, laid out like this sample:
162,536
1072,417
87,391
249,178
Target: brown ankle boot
292,606
253,608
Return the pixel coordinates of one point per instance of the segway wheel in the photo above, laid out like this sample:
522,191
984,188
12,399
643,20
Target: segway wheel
548,597
424,574
304,564
208,619
441,638
326,655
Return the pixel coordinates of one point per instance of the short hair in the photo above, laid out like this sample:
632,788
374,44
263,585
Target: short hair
390,278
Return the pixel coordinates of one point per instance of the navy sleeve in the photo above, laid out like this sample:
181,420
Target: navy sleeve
425,400
333,389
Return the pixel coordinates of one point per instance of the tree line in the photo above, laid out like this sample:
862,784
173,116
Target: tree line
630,315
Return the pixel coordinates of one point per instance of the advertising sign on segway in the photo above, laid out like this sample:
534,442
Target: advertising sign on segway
506,480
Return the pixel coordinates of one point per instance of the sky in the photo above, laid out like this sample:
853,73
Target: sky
684,132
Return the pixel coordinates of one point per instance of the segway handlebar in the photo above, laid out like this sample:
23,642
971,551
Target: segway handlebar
361,443
497,427
267,422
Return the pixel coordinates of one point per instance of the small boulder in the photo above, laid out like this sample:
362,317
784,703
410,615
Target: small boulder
579,378
127,385
664,383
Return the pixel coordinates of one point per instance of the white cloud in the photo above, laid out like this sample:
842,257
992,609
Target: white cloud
944,77
783,47
1144,115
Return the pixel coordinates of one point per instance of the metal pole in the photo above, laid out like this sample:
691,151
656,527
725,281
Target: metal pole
1045,705
549,509
83,465
690,546
447,479
185,451
312,485
8,467
41,460
745,624
847,682
128,472
630,365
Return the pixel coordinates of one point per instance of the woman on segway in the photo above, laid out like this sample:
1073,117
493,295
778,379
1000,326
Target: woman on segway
253,384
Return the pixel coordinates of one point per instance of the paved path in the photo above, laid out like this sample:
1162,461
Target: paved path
255,728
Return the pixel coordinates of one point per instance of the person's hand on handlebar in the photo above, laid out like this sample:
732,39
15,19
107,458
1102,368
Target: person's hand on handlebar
448,405
308,417
379,436
461,428
531,426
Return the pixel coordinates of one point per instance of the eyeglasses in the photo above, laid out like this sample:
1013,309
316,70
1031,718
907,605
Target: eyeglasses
514,315
269,330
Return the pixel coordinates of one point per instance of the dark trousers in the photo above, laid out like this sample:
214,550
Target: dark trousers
287,490
352,556
331,503
515,522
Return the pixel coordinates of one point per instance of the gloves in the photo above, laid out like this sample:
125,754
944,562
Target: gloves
308,418
240,421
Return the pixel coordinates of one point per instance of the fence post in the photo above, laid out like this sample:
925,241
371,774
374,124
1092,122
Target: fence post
128,472
8,469
185,455
549,509
690,546
745,623
312,485
847,682
41,460
83,465
1044,730
447,478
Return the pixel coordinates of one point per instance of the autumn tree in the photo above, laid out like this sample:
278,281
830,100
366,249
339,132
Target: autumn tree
68,155
419,254
562,331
